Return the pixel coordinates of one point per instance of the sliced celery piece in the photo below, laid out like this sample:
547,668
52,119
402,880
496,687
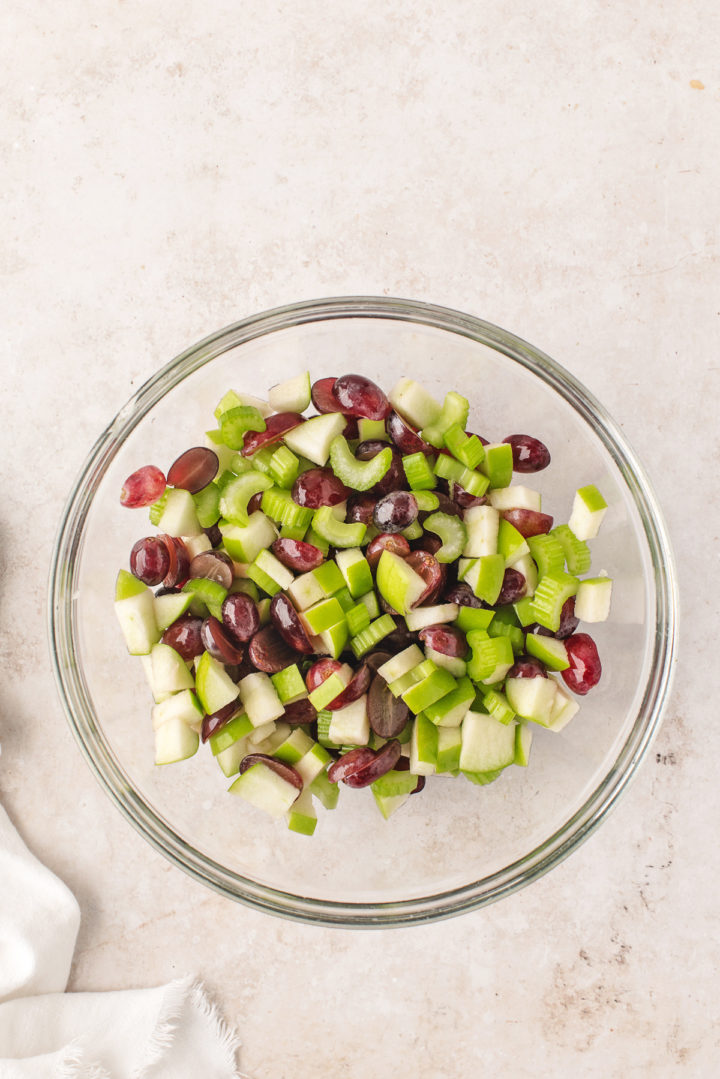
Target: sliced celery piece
548,554
360,475
552,591
454,411
577,552
420,475
236,422
238,492
451,531
207,505
207,595
337,533
468,449
278,504
368,638
284,467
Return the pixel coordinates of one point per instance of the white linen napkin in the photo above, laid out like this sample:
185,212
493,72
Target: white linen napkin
171,1032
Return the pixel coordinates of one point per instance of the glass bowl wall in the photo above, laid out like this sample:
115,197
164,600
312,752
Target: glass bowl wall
457,846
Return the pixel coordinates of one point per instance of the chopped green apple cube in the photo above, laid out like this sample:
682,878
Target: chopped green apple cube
214,686
434,615
259,698
175,741
483,526
170,672
589,508
312,439
183,706
414,403
550,651
515,497
532,698
265,789
355,570
486,744
398,583
293,395
232,732
350,725
423,747
592,601
301,816
135,610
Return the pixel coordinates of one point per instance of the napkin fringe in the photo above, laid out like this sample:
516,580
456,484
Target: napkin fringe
73,1065
176,995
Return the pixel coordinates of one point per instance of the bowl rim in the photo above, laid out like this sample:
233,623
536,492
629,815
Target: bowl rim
77,703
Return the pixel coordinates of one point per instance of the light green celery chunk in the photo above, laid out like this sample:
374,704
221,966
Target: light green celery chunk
367,639
278,504
238,492
451,531
413,531
418,472
491,660
468,449
548,554
553,590
498,705
394,783
236,422
427,501
359,475
337,533
206,595
357,618
284,467
577,552
454,411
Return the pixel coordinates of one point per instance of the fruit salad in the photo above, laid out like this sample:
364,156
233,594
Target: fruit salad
369,596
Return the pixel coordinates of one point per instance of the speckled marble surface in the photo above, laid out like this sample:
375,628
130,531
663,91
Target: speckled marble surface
169,168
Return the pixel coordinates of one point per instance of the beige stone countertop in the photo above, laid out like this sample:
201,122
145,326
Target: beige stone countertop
169,168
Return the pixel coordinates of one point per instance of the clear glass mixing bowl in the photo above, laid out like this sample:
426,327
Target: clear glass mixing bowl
456,847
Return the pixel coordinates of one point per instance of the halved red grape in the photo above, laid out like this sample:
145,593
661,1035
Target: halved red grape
360,508
142,488
513,587
323,397
427,542
383,761
269,652
275,427
320,671
386,541
214,722
527,667
387,714
528,522
462,594
240,616
318,487
395,478
185,637
352,761
212,566
432,572
404,436
285,771
420,785
219,643
464,499
297,555
448,640
359,396
255,503
179,568
149,560
395,511
585,668
286,621
355,688
529,454
194,469
299,713
376,659
214,534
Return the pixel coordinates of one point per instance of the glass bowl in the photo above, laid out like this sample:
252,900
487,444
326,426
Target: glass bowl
457,846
